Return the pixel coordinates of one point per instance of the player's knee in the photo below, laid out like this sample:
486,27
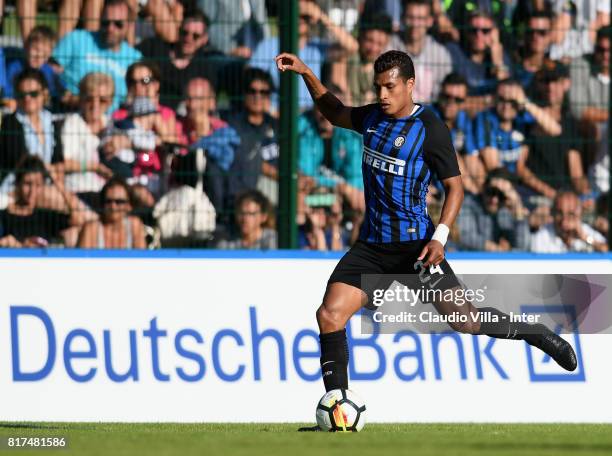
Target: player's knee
330,319
465,327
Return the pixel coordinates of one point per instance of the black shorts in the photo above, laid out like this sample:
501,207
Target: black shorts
388,260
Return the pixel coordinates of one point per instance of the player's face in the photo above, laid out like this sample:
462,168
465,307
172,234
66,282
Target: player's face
451,100
567,216
418,20
371,44
29,188
479,33
393,92
538,34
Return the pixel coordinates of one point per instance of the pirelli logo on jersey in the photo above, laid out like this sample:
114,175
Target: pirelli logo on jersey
383,162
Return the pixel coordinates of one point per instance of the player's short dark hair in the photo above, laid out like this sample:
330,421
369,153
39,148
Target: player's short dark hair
454,79
196,15
604,32
408,3
256,74
395,59
33,74
27,165
376,21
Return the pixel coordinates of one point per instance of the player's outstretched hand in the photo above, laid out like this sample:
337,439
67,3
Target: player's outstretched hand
291,62
433,253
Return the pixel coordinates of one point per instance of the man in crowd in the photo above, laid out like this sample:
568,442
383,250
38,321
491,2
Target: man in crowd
537,40
496,220
567,233
257,130
81,52
449,107
191,56
432,62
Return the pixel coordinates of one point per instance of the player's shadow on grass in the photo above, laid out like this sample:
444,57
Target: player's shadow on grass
26,426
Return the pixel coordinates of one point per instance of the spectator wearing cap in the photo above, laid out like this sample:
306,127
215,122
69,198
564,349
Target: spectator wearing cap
589,93
531,55
236,27
192,55
496,220
432,62
354,75
449,106
500,133
38,47
481,59
311,51
556,160
257,130
107,51
567,233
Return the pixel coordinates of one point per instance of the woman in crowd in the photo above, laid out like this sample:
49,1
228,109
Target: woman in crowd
23,223
80,135
254,223
117,229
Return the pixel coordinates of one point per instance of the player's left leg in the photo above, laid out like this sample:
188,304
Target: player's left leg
500,326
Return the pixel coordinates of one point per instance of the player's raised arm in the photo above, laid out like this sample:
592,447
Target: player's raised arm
329,105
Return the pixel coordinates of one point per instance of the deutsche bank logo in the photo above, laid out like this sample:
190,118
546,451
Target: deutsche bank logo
541,366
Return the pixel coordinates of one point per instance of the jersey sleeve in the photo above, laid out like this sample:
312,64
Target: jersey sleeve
438,150
359,116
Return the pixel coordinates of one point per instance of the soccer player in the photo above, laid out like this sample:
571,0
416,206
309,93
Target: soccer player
404,144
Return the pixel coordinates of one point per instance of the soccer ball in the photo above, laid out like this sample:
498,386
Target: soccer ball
341,410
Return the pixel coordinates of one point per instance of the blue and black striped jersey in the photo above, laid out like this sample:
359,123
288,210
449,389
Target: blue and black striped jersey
399,158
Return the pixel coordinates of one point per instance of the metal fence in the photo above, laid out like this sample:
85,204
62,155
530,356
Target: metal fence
166,124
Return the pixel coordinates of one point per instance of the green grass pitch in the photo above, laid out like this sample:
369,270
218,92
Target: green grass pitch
282,439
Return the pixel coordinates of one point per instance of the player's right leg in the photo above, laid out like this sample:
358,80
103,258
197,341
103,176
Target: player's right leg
340,303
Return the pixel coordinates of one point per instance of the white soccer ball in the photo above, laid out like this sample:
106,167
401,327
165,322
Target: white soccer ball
341,410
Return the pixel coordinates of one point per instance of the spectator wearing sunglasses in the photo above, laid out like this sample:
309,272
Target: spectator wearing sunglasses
530,57
117,228
106,51
450,108
495,220
189,57
257,130
500,133
80,136
480,59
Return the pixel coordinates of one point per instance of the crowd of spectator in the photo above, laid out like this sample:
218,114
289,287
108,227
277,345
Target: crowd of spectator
135,124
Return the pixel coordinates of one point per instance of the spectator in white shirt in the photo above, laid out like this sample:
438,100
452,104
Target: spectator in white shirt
567,233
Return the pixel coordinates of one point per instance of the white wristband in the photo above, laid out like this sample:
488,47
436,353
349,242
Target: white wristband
441,234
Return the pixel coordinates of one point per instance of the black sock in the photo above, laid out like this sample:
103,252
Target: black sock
334,360
503,328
